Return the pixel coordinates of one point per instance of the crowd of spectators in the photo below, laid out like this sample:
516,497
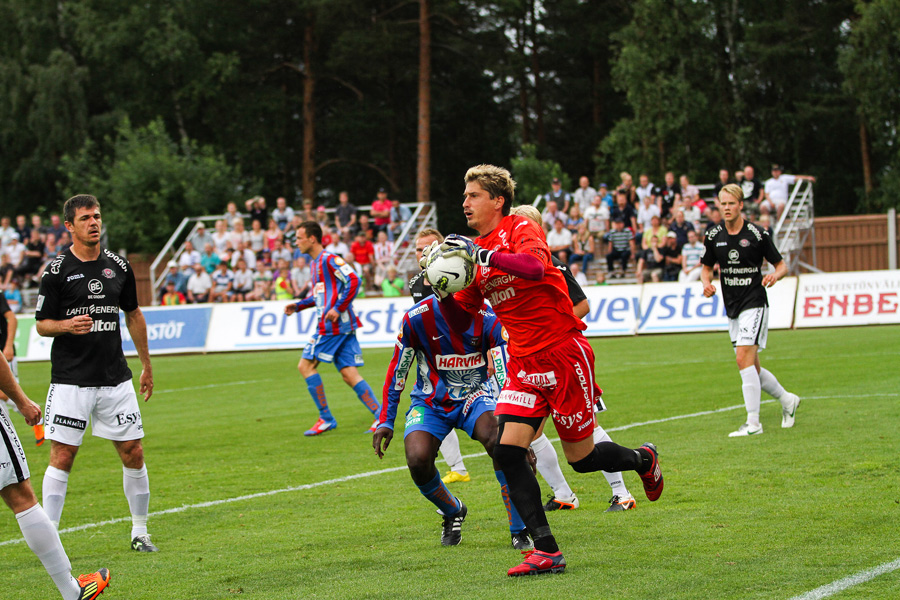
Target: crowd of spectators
253,255
26,248
657,229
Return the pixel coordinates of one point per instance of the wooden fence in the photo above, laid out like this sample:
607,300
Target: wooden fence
850,243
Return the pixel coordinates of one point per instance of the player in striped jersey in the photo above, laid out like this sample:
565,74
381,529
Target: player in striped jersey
334,284
15,488
453,391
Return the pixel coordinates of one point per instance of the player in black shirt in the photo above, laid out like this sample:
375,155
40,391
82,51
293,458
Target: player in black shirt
739,247
8,325
81,293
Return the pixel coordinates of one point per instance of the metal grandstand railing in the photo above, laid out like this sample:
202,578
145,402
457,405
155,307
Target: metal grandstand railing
423,217
797,226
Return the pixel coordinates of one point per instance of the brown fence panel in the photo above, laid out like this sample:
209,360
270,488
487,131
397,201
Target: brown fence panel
850,243
141,265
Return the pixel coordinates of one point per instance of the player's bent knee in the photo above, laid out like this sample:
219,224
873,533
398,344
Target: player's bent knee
507,455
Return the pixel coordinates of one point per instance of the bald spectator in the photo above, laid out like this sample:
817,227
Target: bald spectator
584,195
282,213
559,239
198,285
189,257
344,216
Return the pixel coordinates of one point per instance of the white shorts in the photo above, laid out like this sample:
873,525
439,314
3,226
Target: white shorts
751,328
13,467
113,411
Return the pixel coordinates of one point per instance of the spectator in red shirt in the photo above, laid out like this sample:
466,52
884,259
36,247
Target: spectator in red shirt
364,254
381,211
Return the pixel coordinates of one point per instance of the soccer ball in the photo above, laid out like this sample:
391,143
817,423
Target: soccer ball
450,274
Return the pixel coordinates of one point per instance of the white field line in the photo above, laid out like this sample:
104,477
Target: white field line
816,594
847,582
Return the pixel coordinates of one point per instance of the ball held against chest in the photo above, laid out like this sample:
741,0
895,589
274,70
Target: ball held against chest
450,274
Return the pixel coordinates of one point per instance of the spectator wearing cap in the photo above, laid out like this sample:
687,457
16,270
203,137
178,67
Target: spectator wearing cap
380,211
680,227
621,243
671,253
344,216
606,196
400,215
776,191
282,213
200,238
176,277
558,195
584,195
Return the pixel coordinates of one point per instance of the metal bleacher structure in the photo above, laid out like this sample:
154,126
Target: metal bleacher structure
792,232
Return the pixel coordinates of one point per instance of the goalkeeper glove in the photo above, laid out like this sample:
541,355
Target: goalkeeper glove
458,245
433,248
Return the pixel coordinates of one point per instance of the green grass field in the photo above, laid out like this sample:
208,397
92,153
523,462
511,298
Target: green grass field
773,516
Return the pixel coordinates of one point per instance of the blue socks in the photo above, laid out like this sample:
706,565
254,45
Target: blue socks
438,494
516,524
317,391
366,396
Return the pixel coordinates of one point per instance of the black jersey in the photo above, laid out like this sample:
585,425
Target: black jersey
740,259
99,288
576,294
418,289
4,326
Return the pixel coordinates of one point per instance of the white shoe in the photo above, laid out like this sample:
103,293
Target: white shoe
789,405
746,429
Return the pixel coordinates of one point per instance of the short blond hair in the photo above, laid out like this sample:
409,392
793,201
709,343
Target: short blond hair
496,181
734,190
430,231
529,212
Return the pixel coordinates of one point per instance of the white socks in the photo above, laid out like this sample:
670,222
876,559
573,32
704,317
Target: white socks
42,538
615,480
750,386
54,493
770,384
548,467
137,491
450,452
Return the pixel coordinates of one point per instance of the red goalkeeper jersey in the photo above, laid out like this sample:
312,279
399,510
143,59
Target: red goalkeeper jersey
537,314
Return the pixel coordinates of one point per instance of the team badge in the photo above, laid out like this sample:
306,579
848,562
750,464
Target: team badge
339,261
109,273
744,243
95,287
503,334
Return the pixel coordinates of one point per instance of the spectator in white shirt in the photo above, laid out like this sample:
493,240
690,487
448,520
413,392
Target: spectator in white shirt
221,237
559,239
645,215
597,217
776,191
189,257
198,285
551,214
338,247
243,252
584,195
243,281
232,215
645,188
238,233
300,276
578,274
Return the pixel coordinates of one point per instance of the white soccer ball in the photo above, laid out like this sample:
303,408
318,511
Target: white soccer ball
450,274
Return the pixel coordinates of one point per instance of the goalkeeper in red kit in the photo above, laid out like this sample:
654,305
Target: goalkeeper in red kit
551,366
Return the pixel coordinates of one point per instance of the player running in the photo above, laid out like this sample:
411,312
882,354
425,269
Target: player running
334,284
15,489
551,367
78,306
739,248
452,390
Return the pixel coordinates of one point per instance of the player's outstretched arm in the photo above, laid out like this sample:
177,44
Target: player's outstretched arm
137,327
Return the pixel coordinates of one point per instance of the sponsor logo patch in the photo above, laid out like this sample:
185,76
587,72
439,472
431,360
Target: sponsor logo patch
75,276
414,417
95,286
459,362
70,422
543,380
518,398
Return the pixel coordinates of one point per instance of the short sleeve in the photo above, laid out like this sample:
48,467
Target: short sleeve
48,298
128,300
708,257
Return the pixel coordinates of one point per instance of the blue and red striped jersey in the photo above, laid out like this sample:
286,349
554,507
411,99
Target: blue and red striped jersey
334,285
449,365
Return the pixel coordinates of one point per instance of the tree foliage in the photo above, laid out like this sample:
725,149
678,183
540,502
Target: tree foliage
315,96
